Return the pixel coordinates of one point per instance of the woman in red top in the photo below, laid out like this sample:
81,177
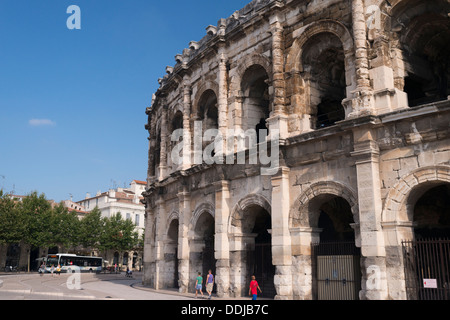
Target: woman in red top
254,287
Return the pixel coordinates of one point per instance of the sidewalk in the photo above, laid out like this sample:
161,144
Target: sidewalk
174,292
136,284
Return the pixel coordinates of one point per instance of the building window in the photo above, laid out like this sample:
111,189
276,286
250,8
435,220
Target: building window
136,220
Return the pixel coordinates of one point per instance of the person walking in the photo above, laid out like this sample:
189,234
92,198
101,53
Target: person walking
209,283
52,269
254,287
198,284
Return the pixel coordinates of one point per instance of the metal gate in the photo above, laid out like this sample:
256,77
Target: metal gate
260,265
427,269
336,271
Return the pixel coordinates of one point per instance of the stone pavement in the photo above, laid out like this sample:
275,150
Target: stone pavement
33,286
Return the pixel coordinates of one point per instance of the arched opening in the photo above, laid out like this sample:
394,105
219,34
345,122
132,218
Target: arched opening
207,110
175,123
135,261
116,260
432,213
253,255
336,260
125,260
202,252
426,258
255,91
259,262
171,255
324,72
425,41
335,220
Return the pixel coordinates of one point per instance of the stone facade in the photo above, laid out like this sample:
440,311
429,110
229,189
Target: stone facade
357,91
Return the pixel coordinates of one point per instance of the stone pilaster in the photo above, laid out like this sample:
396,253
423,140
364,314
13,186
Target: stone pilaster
278,119
373,255
187,134
183,241
222,249
223,96
163,148
302,237
149,242
281,239
159,244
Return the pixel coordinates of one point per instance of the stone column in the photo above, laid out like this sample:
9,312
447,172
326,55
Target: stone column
278,119
221,244
183,241
149,240
150,126
362,103
163,150
281,238
373,254
159,243
186,123
223,96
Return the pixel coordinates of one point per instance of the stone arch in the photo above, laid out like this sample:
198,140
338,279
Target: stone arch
397,207
238,213
204,86
419,33
294,58
300,214
247,62
173,216
303,91
199,210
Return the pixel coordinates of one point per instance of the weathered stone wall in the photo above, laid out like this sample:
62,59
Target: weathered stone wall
335,78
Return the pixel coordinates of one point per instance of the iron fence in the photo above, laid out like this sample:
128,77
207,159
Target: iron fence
427,269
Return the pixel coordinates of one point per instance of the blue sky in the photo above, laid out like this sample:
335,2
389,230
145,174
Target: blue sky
72,102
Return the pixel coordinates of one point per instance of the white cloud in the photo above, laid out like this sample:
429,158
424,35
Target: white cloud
41,122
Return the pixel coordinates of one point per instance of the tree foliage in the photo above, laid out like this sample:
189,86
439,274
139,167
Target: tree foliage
36,222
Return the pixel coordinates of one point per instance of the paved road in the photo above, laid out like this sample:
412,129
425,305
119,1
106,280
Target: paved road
32,286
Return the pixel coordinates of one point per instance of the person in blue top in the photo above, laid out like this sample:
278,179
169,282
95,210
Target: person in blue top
209,283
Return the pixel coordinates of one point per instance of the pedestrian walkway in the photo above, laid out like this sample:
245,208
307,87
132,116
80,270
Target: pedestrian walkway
21,284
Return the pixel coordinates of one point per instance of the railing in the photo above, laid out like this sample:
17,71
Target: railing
427,269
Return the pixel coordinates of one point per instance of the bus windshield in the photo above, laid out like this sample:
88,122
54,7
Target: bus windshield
52,260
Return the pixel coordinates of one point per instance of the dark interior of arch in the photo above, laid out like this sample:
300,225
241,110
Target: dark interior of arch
323,58
425,41
335,219
432,213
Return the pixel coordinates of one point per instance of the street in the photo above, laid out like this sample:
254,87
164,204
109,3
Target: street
33,286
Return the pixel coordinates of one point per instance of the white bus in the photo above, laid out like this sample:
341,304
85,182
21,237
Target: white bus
69,263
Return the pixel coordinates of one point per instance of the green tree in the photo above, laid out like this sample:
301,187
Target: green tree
12,226
36,210
91,229
64,227
118,234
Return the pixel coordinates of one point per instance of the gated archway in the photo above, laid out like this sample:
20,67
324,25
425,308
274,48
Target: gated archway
415,210
326,213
